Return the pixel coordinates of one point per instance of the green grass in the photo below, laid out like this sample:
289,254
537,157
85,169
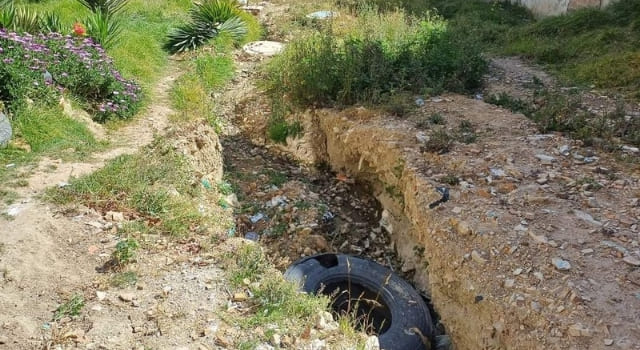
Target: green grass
214,70
140,184
190,98
124,279
48,132
276,301
587,46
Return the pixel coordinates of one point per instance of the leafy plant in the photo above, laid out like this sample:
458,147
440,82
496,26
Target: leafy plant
70,308
51,22
208,20
125,251
7,15
78,66
382,56
107,7
104,29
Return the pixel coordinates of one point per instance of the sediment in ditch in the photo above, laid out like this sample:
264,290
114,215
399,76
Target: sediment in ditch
387,157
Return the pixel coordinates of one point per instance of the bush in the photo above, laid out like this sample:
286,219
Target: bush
40,67
370,64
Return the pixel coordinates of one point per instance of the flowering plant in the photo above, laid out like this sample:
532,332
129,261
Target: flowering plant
45,65
79,29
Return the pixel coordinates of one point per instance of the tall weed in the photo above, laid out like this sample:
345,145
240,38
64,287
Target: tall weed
380,56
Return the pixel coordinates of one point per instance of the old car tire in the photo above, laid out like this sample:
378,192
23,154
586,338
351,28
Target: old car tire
370,291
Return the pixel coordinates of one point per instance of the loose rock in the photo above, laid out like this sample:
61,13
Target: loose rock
631,260
372,343
126,296
578,330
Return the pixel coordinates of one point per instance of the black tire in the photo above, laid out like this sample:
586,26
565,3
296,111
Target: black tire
410,326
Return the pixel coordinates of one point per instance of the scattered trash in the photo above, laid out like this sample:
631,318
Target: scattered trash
231,232
586,217
422,137
11,165
443,342
419,102
63,184
256,218
565,150
252,236
479,97
445,197
589,160
545,159
277,201
561,264
328,216
629,149
48,78
322,14
436,99
496,172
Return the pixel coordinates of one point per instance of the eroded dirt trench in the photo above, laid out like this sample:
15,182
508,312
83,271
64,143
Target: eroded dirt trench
296,211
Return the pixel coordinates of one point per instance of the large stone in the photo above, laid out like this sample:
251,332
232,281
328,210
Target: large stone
263,48
5,130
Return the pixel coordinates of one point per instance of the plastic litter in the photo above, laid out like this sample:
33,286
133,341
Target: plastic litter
256,218
206,183
328,216
419,102
445,197
322,15
252,236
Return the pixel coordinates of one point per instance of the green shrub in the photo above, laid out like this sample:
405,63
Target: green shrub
125,251
103,29
370,65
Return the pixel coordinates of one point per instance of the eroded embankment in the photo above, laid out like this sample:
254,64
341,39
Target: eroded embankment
521,206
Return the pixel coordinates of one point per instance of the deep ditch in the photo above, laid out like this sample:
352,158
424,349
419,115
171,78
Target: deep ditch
296,211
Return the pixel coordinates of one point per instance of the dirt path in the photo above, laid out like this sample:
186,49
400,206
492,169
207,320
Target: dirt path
48,255
126,140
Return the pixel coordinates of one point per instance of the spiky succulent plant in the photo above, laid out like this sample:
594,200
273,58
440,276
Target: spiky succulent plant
208,19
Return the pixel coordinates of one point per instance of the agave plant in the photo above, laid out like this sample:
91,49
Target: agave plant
103,29
208,19
107,7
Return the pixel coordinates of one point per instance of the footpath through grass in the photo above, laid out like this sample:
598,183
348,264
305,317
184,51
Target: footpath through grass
41,128
584,47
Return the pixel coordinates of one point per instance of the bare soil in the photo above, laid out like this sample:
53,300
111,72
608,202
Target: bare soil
522,205
49,254
486,257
